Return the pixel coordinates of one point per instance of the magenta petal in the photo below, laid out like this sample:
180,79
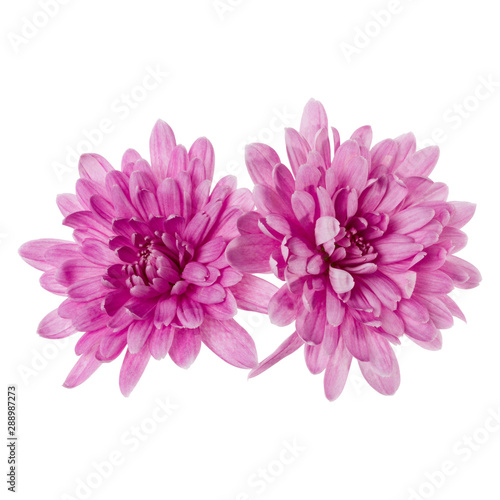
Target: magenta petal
161,144
433,282
133,367
355,335
316,358
336,372
224,310
421,163
396,247
33,252
411,219
83,369
462,213
68,203
88,289
251,252
363,136
189,312
340,280
55,327
311,325
48,282
335,309
297,149
111,346
138,334
326,229
380,354
289,346
386,385
160,341
211,251
282,307
230,342
94,167
304,209
313,120
165,311
185,347
260,160
202,148
253,293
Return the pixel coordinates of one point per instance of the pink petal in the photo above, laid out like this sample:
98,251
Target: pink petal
363,136
421,163
189,312
161,144
316,358
334,308
304,208
281,308
340,280
462,213
311,325
411,219
68,203
396,247
284,182
185,347
289,346
326,229
83,369
253,293
433,282
383,157
230,342
251,252
133,367
297,149
202,148
313,120
138,334
224,310
212,294
160,341
337,370
380,354
53,326
260,160
355,335
33,252
387,385
94,167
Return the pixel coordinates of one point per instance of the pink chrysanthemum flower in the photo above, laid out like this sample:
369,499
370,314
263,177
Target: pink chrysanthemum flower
365,244
148,270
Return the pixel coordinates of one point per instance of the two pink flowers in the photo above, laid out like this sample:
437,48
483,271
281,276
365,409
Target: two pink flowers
362,239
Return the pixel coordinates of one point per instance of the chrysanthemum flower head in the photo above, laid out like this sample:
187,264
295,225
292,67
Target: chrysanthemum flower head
147,271
365,243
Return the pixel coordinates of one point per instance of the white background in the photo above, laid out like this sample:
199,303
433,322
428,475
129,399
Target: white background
235,73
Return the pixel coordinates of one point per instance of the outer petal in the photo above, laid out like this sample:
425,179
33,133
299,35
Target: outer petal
185,347
289,346
251,252
230,342
132,369
253,293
